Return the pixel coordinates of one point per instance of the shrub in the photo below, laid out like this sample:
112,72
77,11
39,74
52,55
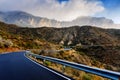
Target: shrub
8,43
47,63
87,77
1,45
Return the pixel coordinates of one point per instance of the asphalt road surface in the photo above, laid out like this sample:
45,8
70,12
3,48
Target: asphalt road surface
16,66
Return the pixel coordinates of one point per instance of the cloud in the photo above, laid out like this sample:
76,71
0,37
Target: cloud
64,11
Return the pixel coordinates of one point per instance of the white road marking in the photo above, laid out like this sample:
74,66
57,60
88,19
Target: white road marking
48,69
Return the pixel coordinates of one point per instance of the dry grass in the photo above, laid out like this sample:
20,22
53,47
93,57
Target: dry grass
71,56
2,50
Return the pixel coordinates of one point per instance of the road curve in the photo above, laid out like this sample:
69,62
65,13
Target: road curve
16,66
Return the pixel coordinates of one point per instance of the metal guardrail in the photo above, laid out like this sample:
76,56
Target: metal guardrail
97,71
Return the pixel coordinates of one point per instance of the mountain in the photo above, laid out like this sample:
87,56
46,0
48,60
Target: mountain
93,21
114,32
25,19
85,35
28,20
103,44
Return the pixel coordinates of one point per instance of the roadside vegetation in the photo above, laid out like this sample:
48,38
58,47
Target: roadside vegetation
73,56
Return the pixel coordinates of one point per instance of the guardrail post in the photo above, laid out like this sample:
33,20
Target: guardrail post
63,68
44,61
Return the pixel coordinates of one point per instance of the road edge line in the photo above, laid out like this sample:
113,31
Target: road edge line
48,69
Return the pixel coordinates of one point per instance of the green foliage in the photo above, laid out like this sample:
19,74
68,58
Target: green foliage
87,77
47,63
81,53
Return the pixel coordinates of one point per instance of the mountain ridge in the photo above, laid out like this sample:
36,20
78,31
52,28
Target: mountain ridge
85,35
28,20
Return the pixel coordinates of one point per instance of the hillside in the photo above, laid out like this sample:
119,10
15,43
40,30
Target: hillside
114,32
92,46
13,37
97,42
85,35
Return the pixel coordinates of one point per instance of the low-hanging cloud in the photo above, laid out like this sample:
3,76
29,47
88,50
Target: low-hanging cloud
65,11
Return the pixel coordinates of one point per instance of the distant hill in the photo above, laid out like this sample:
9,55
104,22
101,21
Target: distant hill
28,20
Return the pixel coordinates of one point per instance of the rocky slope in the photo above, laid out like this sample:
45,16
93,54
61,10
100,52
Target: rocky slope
85,35
114,32
12,36
27,20
100,44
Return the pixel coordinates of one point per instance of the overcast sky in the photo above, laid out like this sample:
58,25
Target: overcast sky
65,10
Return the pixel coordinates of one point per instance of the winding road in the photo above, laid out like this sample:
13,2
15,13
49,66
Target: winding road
16,66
